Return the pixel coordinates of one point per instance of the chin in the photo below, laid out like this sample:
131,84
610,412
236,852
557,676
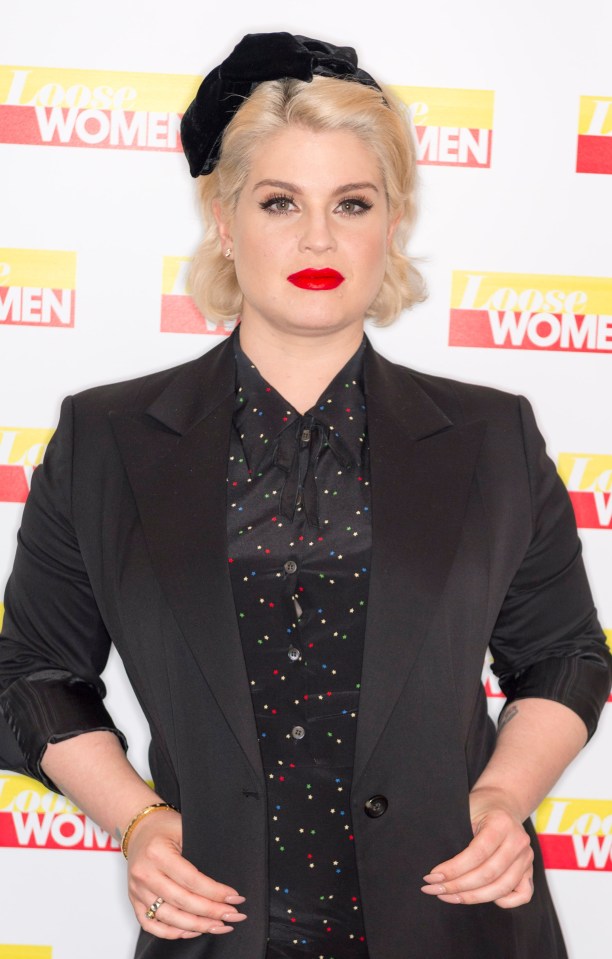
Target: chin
324,324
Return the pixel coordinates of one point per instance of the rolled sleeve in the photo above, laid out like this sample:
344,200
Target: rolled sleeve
547,642
54,644
49,707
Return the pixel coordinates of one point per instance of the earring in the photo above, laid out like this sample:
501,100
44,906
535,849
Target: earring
228,252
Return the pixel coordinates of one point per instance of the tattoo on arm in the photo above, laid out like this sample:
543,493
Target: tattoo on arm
506,716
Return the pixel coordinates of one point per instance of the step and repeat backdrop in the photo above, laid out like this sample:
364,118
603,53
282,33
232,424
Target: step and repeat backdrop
512,112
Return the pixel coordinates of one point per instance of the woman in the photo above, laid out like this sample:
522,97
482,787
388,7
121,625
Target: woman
315,703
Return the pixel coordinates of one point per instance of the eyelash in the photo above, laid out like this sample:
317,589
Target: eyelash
359,201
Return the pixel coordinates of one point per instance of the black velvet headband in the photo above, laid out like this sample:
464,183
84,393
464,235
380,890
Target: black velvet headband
257,58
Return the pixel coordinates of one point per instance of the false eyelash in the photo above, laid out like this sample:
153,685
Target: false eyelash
267,203
361,201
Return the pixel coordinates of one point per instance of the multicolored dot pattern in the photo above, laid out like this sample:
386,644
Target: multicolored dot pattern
300,585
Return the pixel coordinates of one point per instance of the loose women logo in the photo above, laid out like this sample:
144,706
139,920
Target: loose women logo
453,127
21,450
595,135
588,478
576,833
37,287
93,108
179,314
33,817
522,311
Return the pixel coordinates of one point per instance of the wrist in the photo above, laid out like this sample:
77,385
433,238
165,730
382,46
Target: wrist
139,817
485,798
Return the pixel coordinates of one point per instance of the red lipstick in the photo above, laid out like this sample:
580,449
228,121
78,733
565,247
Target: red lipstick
326,279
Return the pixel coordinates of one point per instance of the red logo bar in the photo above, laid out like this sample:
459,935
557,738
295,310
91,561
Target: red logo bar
36,306
594,154
511,330
74,127
49,830
577,852
13,484
453,146
593,509
179,314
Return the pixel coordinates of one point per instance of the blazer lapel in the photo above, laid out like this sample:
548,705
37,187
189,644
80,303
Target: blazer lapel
176,455
421,468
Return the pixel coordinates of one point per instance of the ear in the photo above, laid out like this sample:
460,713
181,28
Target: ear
223,225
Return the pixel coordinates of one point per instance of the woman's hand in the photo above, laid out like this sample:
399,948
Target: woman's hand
536,740
93,771
192,902
497,866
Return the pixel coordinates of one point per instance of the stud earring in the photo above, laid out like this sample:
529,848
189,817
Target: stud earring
228,252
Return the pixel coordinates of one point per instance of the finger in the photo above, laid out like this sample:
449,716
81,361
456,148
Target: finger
519,896
515,852
169,915
169,923
159,929
190,878
500,889
482,847
187,902
490,835
158,866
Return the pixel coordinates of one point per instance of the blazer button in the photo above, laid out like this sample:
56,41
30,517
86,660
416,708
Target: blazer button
376,806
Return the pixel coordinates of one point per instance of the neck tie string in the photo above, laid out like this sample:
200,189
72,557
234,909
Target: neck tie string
297,454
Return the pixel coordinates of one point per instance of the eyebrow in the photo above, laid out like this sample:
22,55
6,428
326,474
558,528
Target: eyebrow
293,188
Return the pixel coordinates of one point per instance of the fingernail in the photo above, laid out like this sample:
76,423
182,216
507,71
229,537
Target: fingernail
234,900
434,890
435,877
452,898
233,916
218,930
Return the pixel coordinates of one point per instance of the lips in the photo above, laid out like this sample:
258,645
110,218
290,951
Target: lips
326,279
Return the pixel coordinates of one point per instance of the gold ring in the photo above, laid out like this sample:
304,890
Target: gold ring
150,913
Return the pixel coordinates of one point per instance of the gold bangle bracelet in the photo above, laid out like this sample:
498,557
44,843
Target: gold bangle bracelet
125,839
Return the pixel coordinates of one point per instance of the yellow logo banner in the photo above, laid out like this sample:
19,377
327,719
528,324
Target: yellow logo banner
96,89
530,292
25,952
53,269
595,117
575,817
584,472
449,107
174,275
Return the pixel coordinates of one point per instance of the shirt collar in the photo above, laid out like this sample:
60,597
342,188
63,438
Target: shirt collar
261,414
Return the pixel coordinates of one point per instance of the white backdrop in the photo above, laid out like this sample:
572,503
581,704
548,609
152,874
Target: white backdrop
508,102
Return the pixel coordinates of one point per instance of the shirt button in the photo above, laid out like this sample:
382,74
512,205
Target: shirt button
290,566
298,732
294,654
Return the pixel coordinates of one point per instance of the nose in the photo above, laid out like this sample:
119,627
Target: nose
317,235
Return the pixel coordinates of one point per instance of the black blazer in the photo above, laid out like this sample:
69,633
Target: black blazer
474,543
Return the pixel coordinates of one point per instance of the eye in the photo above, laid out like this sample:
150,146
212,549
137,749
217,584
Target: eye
354,206
278,205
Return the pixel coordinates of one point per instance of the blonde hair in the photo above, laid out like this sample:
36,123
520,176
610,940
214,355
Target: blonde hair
325,103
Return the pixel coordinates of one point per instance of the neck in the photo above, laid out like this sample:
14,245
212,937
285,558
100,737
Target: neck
299,366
